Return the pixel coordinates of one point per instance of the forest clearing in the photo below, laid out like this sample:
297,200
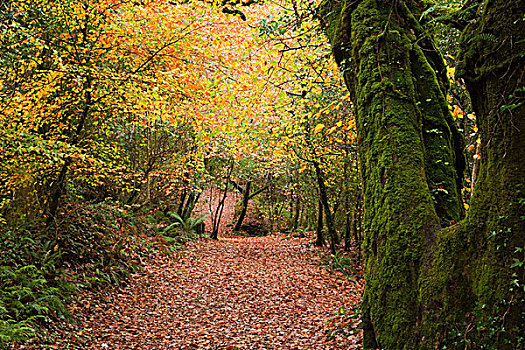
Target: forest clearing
262,174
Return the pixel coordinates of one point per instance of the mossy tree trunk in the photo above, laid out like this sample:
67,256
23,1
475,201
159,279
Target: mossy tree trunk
493,66
407,155
423,278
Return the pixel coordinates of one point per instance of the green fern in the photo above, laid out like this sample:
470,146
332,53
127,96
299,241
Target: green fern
188,225
12,331
442,4
485,37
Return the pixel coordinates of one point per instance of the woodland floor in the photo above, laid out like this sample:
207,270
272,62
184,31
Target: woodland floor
235,293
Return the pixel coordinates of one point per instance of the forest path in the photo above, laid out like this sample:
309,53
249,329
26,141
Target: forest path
235,293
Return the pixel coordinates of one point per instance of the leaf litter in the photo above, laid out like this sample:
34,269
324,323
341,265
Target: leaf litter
234,293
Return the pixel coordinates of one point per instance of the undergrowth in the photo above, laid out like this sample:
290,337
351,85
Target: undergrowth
346,322
89,246
343,264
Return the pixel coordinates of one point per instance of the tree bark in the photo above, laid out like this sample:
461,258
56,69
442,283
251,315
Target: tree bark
493,67
356,226
425,280
297,212
349,220
182,201
59,185
245,199
187,209
319,241
220,207
323,196
401,214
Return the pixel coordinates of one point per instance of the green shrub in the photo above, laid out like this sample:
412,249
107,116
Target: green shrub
88,246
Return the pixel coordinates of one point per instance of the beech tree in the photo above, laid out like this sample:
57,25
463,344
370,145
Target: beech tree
436,279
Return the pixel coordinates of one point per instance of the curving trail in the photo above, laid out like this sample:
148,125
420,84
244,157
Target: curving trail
235,293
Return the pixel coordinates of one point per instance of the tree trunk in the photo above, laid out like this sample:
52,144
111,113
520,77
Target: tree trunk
56,192
475,169
319,241
187,209
493,66
297,212
245,199
425,281
218,214
356,227
398,102
182,201
59,185
323,196
220,207
349,221
475,284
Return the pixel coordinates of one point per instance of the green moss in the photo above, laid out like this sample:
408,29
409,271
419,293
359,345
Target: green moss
444,286
399,212
444,165
424,285
336,18
492,65
399,99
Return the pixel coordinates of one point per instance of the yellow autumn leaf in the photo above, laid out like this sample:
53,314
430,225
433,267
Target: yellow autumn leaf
318,128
